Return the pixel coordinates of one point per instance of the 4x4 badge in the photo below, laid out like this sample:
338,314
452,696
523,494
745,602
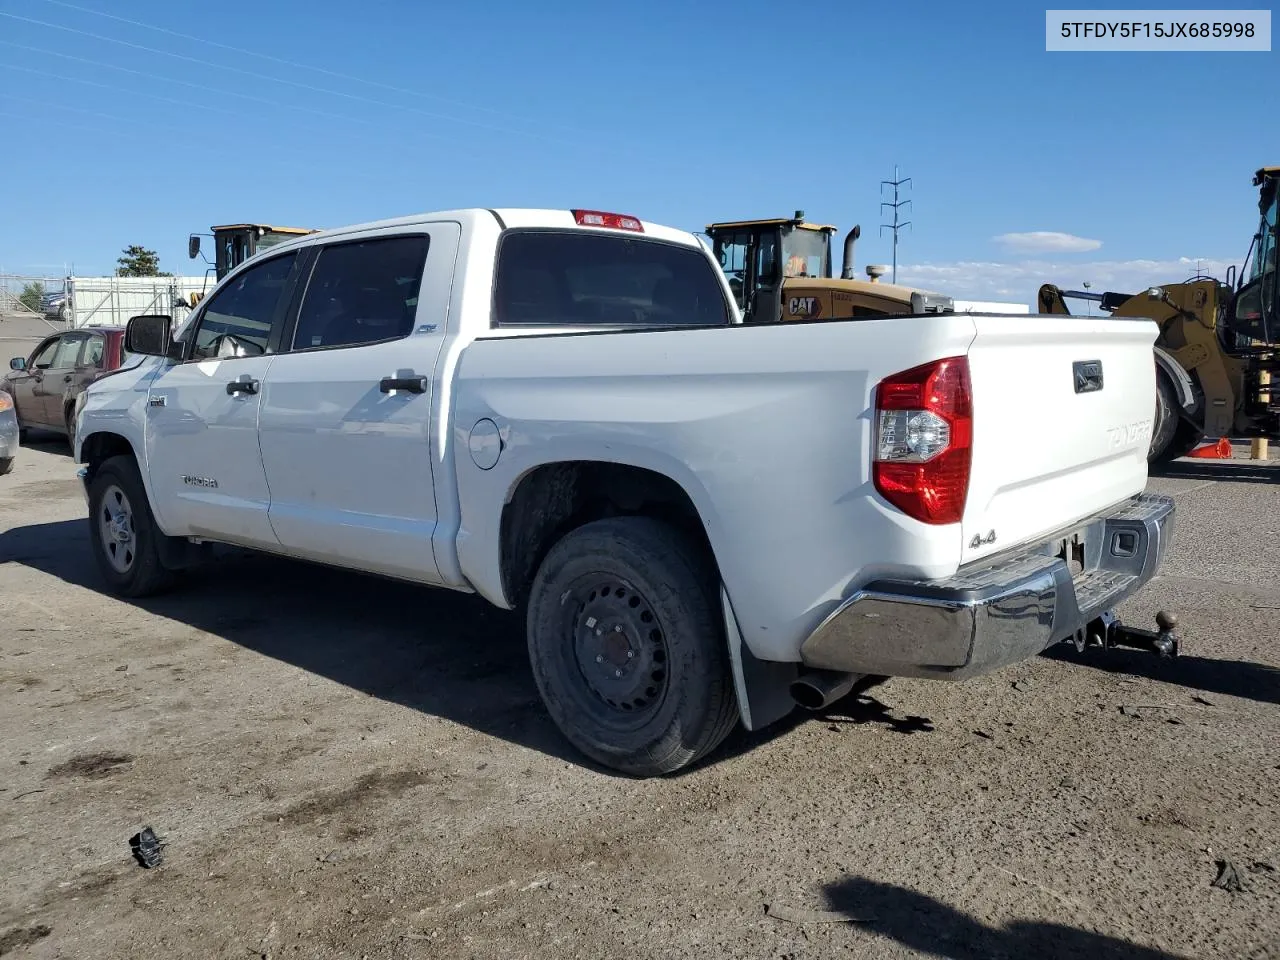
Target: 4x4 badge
979,540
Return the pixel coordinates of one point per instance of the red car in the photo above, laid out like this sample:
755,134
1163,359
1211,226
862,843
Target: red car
45,385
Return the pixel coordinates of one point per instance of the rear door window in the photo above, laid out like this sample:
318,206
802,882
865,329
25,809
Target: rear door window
551,278
362,292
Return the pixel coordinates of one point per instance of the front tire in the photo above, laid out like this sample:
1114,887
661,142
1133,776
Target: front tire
627,645
6,465
123,532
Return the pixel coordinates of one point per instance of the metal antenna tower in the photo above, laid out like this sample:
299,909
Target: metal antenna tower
897,224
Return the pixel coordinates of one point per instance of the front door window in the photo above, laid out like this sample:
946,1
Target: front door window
239,318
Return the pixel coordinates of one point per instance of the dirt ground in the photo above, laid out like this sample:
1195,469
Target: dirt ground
349,768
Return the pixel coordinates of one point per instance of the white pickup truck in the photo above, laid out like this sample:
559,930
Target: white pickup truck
705,522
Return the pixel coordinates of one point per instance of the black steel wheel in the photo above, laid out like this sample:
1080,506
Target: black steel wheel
627,646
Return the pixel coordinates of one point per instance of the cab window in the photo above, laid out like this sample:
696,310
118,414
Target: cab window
555,278
239,318
731,251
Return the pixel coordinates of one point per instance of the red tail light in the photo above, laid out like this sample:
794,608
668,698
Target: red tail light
924,440
618,221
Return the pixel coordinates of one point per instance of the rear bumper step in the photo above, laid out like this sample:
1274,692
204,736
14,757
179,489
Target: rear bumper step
989,617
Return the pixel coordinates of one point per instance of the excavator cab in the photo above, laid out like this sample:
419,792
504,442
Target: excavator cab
758,255
1255,320
235,243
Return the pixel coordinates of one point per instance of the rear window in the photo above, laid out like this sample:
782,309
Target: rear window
546,278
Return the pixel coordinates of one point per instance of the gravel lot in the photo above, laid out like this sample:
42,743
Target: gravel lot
346,767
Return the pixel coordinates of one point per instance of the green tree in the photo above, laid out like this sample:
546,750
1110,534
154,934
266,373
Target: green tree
139,262
32,297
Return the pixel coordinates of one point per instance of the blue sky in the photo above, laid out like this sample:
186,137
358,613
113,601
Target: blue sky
678,112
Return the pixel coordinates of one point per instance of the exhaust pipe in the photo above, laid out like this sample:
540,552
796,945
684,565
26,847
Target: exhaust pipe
846,271
817,689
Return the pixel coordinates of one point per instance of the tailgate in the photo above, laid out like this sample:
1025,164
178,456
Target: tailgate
1052,440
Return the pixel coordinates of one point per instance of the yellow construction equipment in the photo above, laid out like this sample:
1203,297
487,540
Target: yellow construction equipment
234,243
1217,351
780,270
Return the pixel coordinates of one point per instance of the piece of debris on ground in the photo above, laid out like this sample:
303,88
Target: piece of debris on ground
1229,878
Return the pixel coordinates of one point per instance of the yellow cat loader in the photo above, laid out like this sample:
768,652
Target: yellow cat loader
780,270
234,243
1219,345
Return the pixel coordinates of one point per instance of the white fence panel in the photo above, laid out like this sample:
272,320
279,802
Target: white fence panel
111,301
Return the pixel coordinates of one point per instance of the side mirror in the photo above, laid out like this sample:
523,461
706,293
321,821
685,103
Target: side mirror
18,363
148,334
193,246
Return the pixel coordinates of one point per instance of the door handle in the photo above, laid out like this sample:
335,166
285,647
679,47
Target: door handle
410,384
243,385
67,378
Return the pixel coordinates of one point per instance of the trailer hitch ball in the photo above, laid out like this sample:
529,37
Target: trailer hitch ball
1166,639
1107,631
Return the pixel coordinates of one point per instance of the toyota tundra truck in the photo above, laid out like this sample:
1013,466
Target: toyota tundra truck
705,522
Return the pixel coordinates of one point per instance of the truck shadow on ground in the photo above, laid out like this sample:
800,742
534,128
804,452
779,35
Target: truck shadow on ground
860,707
933,928
1230,471
447,654
1234,678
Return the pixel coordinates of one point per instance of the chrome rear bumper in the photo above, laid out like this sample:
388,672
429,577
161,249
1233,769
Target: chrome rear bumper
990,616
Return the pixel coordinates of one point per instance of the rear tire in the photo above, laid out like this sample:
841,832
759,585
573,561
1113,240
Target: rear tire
1185,439
1167,420
6,465
627,646
123,532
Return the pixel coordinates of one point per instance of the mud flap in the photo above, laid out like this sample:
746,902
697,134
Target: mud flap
762,686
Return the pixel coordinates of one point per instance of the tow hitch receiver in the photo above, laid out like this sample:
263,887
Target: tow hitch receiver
1107,631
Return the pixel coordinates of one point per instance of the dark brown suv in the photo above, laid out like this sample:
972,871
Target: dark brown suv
45,385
